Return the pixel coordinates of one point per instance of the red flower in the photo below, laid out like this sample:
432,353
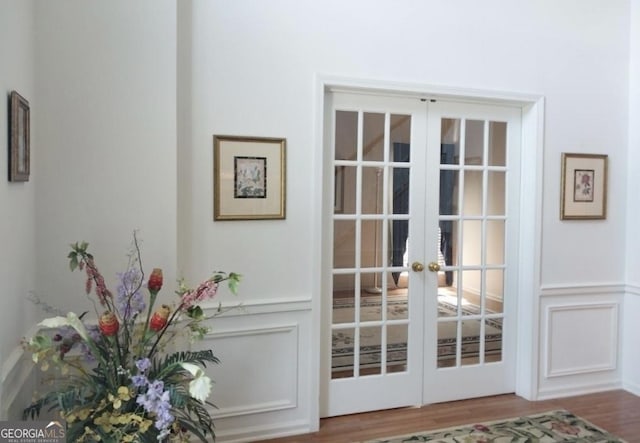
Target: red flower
155,280
159,318
108,324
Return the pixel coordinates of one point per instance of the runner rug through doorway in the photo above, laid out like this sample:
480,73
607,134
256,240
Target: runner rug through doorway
549,427
370,349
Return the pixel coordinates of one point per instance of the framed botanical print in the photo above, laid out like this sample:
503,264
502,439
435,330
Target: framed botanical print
249,178
584,187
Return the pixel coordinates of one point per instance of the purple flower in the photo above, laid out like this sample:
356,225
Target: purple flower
157,401
94,332
139,380
129,303
143,364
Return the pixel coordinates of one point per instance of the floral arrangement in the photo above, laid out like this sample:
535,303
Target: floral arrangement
115,381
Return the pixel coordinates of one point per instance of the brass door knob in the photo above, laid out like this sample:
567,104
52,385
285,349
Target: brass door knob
416,266
434,267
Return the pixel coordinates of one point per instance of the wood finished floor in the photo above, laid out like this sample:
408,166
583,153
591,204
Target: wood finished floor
616,411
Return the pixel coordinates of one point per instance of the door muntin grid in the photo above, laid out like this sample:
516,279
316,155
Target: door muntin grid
371,184
472,241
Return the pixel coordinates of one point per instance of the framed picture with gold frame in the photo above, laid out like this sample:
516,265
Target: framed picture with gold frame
584,187
19,138
249,178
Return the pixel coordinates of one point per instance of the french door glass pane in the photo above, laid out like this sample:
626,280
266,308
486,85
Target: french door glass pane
473,190
344,190
496,193
497,144
472,243
471,294
344,252
449,186
472,337
495,242
397,341
493,340
474,142
447,344
449,244
372,190
346,137
450,141
371,242
371,301
373,141
495,291
400,136
371,340
342,355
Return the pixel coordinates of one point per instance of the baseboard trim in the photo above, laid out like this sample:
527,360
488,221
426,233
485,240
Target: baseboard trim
634,388
263,432
571,391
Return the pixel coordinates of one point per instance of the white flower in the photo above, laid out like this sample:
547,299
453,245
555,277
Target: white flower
200,386
70,320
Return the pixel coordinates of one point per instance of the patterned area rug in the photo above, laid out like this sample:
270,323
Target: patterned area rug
370,350
549,427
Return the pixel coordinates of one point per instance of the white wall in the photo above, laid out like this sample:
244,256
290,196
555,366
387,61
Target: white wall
632,302
18,251
254,64
106,76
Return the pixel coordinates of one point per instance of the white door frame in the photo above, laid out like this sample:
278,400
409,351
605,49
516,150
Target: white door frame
527,365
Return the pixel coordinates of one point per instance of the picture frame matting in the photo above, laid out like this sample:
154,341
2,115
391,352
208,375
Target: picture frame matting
249,178
583,186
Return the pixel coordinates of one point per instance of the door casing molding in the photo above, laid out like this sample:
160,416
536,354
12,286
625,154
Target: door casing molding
532,155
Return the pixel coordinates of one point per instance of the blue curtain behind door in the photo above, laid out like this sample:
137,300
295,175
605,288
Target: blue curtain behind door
401,153
447,184
400,228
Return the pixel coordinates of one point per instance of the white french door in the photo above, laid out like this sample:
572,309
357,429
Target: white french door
473,161
422,229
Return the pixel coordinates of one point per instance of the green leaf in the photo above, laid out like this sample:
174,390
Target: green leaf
73,263
195,312
234,281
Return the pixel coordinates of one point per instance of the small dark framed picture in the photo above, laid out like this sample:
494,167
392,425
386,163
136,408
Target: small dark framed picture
249,178
584,187
19,138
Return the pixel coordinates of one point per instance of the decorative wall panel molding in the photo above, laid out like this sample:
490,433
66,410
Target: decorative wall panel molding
263,306
632,290
581,339
266,380
581,290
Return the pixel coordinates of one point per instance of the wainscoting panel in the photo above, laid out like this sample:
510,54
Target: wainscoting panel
580,342
17,383
269,362
591,328
261,386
